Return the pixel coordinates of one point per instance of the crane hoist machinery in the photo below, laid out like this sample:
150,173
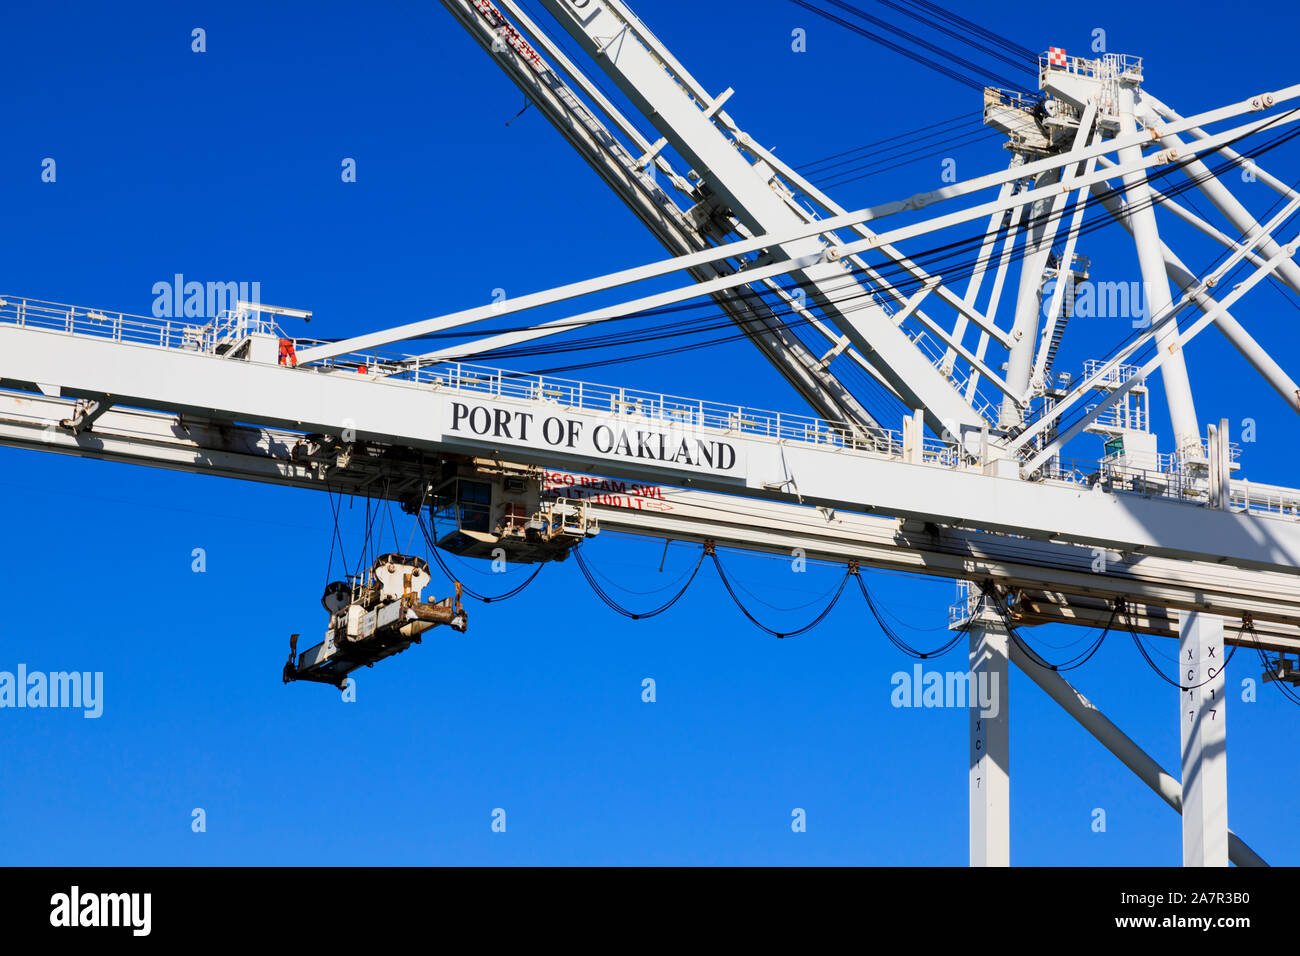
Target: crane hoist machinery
477,506
950,313
478,509
484,510
372,619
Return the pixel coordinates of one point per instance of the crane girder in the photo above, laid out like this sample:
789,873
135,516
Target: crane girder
241,418
1055,582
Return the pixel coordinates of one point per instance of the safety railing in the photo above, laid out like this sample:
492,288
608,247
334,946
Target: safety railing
472,379
117,326
228,327
635,404
1265,499
1108,66
1121,415
959,379
1169,475
1172,477
1113,377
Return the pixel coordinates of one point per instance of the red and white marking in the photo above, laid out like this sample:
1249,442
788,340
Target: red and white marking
606,491
1056,56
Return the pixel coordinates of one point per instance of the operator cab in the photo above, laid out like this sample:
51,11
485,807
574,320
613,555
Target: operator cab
476,514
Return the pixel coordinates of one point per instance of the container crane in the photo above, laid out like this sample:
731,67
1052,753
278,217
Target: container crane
517,461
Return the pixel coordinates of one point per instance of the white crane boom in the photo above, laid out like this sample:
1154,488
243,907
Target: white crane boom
1173,541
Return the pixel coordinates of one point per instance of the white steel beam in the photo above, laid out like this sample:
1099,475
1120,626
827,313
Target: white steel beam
797,307
1189,217
963,305
982,259
625,175
372,340
1019,216
1146,237
749,275
1140,376
1044,219
590,89
1059,578
660,89
990,742
1228,204
976,362
435,418
1202,721
1053,317
1157,322
1259,172
1232,330
1121,745
1033,607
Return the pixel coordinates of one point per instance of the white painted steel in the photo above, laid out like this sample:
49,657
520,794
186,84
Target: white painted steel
1202,722
990,743
1165,786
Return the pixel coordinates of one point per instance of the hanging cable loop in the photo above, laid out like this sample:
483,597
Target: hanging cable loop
485,598
988,592
711,551
1248,625
1165,677
893,635
636,615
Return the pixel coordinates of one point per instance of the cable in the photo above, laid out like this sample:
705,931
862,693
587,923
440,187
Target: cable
388,507
1149,346
649,593
337,537
816,600
1161,674
975,76
1079,660
971,139
366,543
907,138
419,513
1283,687
726,583
973,27
988,593
614,605
901,644
1022,58
930,259
486,599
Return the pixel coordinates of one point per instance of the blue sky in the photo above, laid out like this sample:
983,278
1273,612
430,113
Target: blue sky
224,166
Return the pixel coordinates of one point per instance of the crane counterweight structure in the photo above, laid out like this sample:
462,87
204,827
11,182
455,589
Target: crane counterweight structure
1176,541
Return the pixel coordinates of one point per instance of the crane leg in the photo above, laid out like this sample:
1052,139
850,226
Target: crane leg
1202,720
990,739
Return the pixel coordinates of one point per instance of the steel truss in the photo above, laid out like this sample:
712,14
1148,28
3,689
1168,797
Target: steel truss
988,497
